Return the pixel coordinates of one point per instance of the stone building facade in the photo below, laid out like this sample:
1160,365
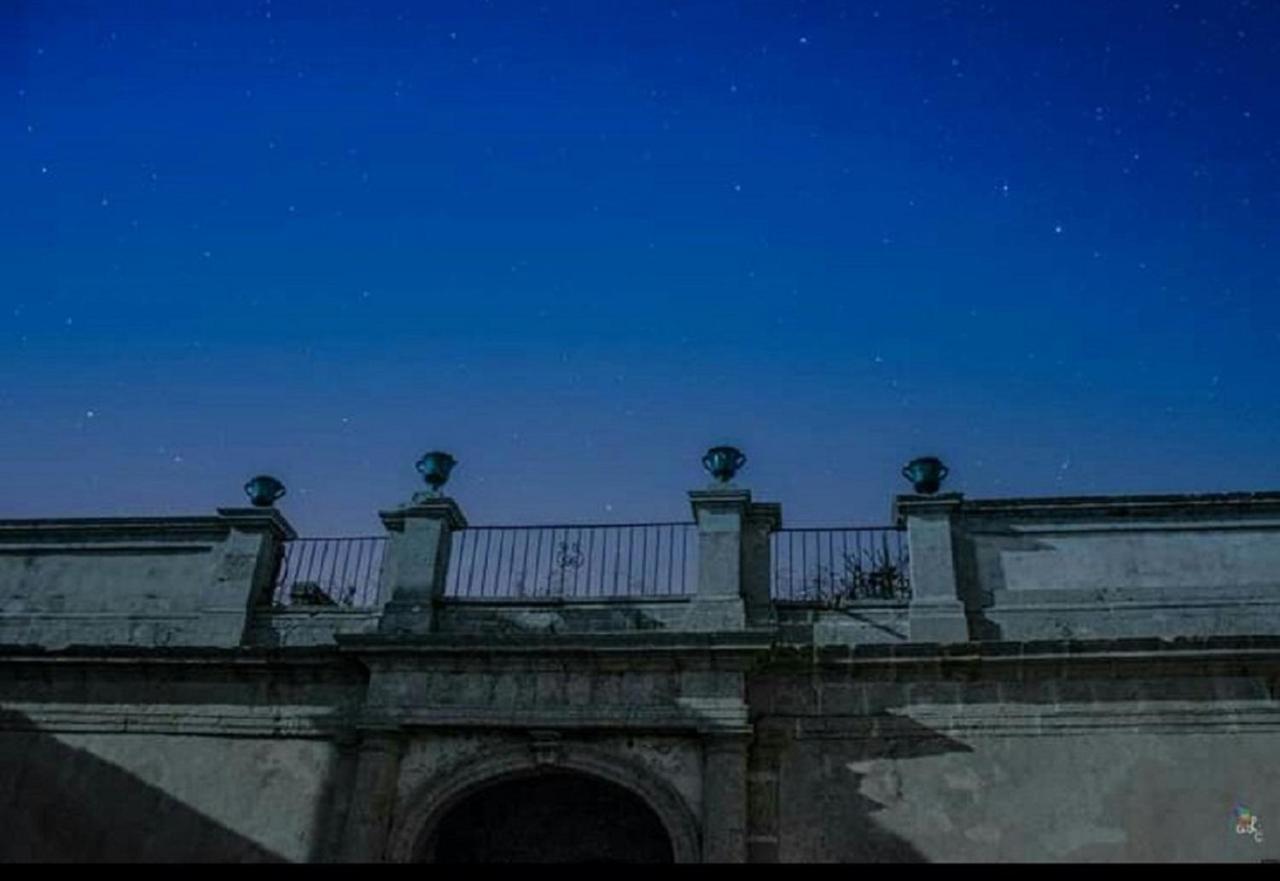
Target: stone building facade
1050,679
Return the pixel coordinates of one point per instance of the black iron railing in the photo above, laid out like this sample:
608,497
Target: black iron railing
336,572
835,566
584,562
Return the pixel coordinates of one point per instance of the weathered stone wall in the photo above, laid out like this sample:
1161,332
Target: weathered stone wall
156,581
270,628
1096,568
1031,757
165,757
863,623
157,797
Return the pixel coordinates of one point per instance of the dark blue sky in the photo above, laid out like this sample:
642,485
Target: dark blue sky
577,243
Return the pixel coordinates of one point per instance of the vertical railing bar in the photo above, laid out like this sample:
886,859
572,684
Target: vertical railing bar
355,557
455,564
325,576
790,578
305,549
467,562
684,561
606,588
287,561
484,562
619,570
473,543
644,560
804,556
537,561
511,563
657,556
343,564
368,555
831,558
346,581
282,577
591,548
524,564
497,562
466,565
577,570
848,579
861,588
370,568
316,573
671,559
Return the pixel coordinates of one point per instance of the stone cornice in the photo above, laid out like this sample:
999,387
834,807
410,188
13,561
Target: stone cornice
100,530
942,503
1039,658
1127,506
1010,719
123,655
223,721
767,513
721,497
112,529
666,717
655,643
1199,506
259,519
428,508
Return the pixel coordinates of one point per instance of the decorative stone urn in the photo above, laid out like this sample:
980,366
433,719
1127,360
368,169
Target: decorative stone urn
926,474
723,462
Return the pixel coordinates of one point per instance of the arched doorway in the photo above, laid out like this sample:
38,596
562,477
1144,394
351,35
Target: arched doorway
551,816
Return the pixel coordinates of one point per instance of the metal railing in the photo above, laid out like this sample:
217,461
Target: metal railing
336,572
838,566
583,562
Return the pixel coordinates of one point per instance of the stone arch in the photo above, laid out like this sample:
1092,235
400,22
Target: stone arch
431,801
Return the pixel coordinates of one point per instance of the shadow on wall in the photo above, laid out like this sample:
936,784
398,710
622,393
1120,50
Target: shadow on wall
61,804
838,774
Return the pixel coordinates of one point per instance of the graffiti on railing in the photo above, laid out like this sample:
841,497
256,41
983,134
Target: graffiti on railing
329,572
834,567
565,562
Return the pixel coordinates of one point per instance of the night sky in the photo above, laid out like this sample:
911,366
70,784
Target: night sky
575,244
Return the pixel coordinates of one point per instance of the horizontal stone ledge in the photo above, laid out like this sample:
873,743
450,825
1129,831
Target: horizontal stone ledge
9,618
662,717
622,642
604,602
255,656
999,529
289,613
1173,603
104,549
1210,646
1200,503
298,722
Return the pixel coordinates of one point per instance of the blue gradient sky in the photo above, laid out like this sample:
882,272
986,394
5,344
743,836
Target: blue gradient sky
577,243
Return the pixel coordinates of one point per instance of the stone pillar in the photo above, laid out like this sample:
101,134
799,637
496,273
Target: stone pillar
764,778
720,513
245,570
762,520
372,798
420,539
936,613
724,798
